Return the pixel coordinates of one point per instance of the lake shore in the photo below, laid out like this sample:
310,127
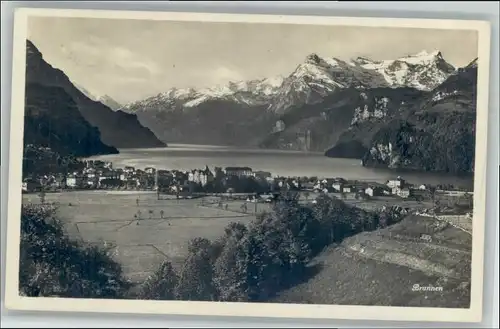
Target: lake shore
279,162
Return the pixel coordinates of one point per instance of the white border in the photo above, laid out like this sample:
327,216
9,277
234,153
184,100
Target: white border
15,302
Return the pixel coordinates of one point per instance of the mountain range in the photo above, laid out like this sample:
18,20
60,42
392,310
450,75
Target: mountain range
59,112
325,104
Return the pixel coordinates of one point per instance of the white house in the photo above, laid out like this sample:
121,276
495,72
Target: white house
392,183
422,187
346,189
337,186
71,181
369,191
203,179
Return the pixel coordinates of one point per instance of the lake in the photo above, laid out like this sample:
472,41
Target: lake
278,162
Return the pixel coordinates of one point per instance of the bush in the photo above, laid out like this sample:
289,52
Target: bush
53,265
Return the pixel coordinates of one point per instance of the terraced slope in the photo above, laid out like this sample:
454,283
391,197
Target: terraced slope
382,268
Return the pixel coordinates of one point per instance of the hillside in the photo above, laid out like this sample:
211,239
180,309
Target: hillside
119,129
381,268
437,134
347,119
52,120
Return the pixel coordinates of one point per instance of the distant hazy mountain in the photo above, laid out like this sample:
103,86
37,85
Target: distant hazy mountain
119,129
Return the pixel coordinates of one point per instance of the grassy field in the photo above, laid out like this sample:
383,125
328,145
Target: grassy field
139,245
381,268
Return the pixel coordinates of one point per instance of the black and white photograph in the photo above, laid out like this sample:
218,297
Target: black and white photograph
237,161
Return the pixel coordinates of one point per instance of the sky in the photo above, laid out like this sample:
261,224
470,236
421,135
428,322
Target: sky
133,59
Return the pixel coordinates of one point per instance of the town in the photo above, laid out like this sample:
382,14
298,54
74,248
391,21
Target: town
235,182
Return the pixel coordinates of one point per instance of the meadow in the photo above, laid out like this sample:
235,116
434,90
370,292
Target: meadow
141,243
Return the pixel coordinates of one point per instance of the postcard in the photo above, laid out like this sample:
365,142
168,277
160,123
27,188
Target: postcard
248,165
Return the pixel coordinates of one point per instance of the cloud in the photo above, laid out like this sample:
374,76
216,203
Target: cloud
103,56
127,59
220,75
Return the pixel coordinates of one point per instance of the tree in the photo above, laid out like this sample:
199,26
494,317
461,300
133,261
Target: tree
196,277
138,216
230,269
42,195
151,213
162,213
52,265
161,284
306,195
244,207
137,202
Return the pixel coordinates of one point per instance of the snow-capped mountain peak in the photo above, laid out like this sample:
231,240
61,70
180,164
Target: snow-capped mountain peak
252,92
313,79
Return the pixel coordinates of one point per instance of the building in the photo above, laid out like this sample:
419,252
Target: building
370,191
374,191
308,186
337,186
403,192
73,181
420,194
396,183
199,177
358,187
150,170
129,169
30,185
238,171
346,189
264,175
98,164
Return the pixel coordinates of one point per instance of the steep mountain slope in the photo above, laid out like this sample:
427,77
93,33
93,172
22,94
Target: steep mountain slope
347,119
52,120
438,134
259,105
119,129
